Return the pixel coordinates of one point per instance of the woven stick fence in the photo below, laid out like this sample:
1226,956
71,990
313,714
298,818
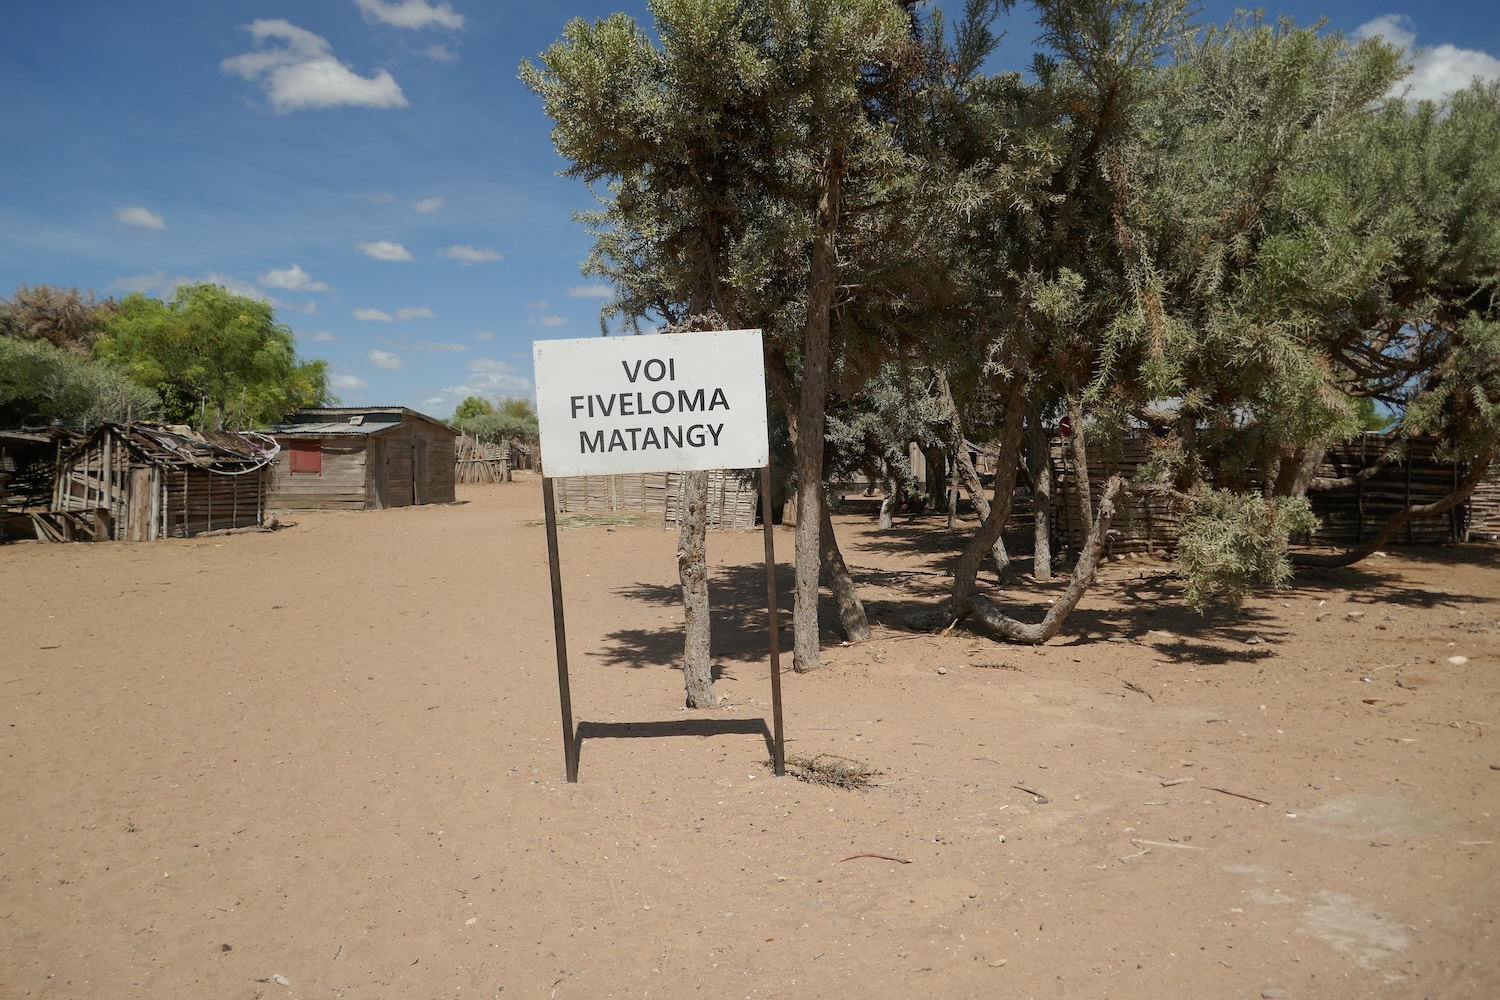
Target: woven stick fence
731,497
1346,516
477,461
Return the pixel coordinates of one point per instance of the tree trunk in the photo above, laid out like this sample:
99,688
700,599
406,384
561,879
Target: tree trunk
836,574
1041,501
1460,493
968,475
991,617
966,573
1078,451
834,571
692,570
936,460
821,279
1296,473
692,559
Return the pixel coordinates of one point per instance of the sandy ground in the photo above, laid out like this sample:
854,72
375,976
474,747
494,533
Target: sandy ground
326,762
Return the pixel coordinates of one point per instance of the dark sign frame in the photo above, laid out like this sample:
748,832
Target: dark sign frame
570,734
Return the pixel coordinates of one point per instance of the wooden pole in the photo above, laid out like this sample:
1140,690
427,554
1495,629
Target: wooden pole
560,635
766,518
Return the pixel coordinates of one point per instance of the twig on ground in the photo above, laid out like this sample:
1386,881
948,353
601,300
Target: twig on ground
1237,794
882,857
1132,686
1040,798
1164,843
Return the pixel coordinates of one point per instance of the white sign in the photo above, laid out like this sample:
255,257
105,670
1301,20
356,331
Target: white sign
660,403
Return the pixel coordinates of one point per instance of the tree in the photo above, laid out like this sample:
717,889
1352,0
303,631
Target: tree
64,317
40,382
216,359
471,407
727,152
513,417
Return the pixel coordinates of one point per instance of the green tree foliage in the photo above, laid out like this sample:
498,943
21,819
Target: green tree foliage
216,359
513,417
729,153
1231,234
40,382
471,407
1230,542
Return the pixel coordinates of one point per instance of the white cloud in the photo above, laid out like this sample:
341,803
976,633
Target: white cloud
138,282
487,375
310,309
467,255
347,382
411,13
235,285
591,292
483,335
431,347
434,400
293,279
383,250
1436,72
384,359
440,53
135,215
552,320
382,198
538,304
323,337
373,316
303,72
428,205
414,312
1398,29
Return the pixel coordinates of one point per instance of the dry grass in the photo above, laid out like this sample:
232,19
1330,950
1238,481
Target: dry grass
831,770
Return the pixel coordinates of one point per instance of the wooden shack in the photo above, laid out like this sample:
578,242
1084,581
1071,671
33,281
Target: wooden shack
362,458
136,483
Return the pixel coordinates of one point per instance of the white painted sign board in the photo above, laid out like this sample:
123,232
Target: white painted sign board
673,402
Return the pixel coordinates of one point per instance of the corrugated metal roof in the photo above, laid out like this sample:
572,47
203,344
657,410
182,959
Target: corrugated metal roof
340,427
381,417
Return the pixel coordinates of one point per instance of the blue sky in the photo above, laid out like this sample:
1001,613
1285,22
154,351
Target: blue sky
373,167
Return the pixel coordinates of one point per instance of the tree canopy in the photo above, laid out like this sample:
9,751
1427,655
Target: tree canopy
215,358
1230,235
507,417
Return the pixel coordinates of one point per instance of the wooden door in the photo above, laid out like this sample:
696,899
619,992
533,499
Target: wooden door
375,456
419,471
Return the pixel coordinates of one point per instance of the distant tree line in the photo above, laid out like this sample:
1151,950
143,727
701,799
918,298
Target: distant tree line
205,357
1233,235
497,420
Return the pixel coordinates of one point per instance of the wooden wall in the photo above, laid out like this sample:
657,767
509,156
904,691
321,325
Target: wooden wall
1484,506
1350,515
104,491
1143,525
370,471
1345,516
196,500
340,486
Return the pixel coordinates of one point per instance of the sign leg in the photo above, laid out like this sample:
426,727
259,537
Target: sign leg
560,636
766,518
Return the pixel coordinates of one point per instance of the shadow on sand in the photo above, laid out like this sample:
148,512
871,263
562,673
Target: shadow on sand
681,727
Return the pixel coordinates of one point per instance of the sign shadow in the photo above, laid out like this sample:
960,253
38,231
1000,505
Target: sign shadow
677,727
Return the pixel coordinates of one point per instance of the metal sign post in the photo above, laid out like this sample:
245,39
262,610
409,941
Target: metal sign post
662,403
560,633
